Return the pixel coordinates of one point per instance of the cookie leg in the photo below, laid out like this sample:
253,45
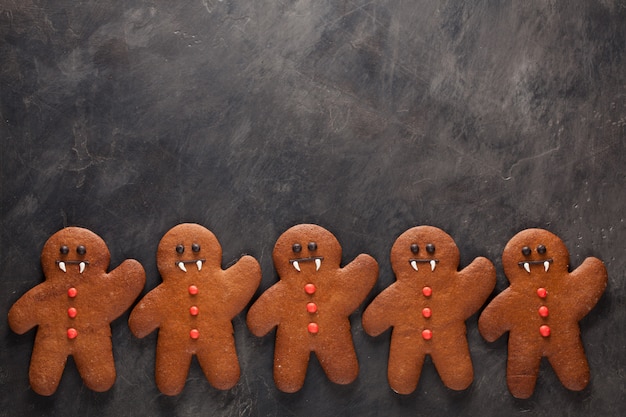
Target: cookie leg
95,363
522,368
452,359
406,358
46,367
220,364
291,361
172,365
338,359
570,365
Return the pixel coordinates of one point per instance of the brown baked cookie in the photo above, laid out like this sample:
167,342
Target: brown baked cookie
193,308
73,309
427,307
541,310
311,305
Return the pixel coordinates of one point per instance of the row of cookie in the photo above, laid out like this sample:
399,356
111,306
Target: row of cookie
194,305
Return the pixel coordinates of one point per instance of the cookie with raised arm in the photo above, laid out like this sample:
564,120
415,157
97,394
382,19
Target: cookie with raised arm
311,305
73,309
541,310
427,307
194,307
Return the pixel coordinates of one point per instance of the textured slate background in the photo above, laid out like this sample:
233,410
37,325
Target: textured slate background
366,117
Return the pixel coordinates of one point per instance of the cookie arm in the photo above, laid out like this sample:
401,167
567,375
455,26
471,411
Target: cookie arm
25,313
146,316
240,282
125,284
382,312
357,279
264,314
495,319
475,283
587,282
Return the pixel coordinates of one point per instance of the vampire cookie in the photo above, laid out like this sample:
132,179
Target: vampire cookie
427,307
311,305
73,309
541,310
194,307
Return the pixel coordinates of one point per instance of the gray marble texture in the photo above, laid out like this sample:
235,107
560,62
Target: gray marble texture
366,117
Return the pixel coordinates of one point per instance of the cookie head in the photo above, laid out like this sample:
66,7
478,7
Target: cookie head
306,248
423,250
74,250
534,253
187,248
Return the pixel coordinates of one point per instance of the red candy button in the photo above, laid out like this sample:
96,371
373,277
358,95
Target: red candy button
309,289
544,330
427,334
193,290
194,333
543,311
71,292
427,312
311,308
193,310
542,292
313,328
427,291
72,333
71,312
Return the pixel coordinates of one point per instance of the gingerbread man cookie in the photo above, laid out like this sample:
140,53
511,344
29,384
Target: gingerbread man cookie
427,307
194,308
541,310
311,305
73,309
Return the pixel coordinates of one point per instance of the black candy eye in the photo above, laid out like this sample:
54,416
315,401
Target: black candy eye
65,250
526,251
430,248
195,247
415,248
296,247
180,248
81,250
312,246
541,249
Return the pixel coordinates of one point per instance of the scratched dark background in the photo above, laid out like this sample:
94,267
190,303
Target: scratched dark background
366,117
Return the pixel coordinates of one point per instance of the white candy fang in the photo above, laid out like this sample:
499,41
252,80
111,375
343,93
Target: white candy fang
296,265
199,265
62,266
433,264
182,266
546,265
318,264
527,267
414,265
81,267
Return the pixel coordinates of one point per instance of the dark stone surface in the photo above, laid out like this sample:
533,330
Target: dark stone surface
129,117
